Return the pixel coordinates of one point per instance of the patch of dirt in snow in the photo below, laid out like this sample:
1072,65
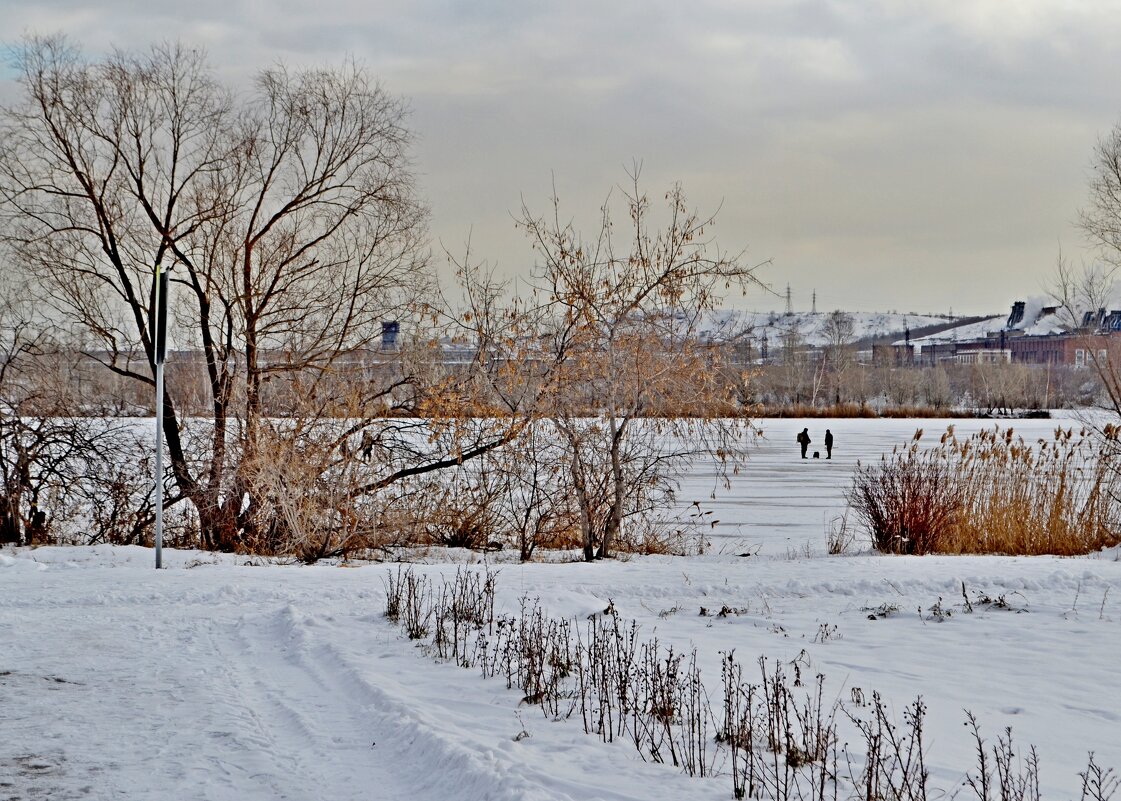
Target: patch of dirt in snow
31,776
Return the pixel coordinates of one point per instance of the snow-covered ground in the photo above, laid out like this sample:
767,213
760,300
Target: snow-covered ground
220,678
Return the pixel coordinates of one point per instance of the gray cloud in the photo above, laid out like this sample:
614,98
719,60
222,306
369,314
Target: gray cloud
892,154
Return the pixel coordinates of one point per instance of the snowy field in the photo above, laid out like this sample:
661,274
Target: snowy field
220,679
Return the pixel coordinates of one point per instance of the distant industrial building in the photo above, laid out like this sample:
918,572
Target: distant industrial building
1032,334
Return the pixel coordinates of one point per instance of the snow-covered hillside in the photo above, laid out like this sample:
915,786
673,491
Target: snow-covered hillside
224,678
810,328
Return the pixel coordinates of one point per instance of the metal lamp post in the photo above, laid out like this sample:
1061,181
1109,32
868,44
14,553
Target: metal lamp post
159,351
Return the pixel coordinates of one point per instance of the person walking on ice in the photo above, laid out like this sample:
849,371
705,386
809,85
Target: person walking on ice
804,441
828,444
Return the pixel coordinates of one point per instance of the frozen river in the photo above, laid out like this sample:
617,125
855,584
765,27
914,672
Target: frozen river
780,502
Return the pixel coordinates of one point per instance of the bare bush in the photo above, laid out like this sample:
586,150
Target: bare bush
1000,775
1098,783
909,503
305,491
65,476
409,601
894,761
465,609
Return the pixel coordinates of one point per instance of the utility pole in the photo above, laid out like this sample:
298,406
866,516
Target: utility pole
158,322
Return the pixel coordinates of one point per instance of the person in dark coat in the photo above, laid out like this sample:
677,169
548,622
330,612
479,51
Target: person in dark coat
804,441
828,444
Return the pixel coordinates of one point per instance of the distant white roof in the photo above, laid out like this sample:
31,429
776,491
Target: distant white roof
978,330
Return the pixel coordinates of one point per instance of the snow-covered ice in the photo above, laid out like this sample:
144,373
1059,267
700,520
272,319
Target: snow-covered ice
226,678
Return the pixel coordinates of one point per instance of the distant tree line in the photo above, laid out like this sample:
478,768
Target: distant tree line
809,386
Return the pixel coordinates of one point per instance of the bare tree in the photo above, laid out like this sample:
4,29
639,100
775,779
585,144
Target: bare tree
1100,219
839,330
624,312
1081,292
289,216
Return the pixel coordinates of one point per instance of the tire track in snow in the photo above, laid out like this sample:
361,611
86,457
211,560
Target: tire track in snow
299,729
331,717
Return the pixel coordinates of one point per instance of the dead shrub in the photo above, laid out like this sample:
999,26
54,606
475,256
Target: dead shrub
781,734
305,498
840,535
909,503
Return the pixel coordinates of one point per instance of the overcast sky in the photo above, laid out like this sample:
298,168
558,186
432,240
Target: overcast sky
891,155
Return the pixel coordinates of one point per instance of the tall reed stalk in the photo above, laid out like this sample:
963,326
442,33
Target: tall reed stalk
993,492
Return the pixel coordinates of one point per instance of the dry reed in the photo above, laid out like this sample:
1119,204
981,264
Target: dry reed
993,493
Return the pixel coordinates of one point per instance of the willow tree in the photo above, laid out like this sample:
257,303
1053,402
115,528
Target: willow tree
288,215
